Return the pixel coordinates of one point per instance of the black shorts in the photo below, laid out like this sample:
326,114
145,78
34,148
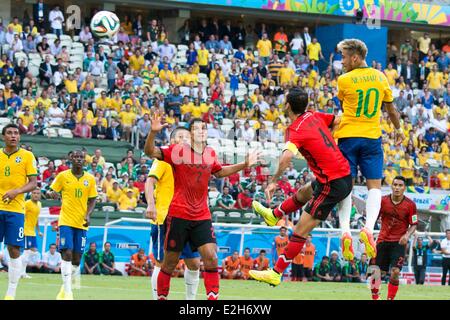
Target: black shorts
326,196
180,231
297,270
390,254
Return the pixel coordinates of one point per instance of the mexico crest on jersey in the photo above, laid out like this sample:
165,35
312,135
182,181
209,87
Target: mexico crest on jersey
18,159
86,183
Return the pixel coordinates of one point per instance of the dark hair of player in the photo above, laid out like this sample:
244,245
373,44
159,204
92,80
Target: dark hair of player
400,178
262,251
193,121
174,132
11,125
247,249
283,228
298,100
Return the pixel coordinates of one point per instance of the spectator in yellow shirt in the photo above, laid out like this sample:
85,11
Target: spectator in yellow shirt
165,74
435,81
127,118
314,50
286,74
444,177
116,102
202,58
391,74
71,84
127,202
389,174
114,193
190,77
137,61
272,114
85,113
103,102
16,26
27,117
264,47
107,182
407,169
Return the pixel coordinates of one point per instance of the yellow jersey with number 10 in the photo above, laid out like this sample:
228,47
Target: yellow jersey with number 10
362,92
75,193
14,172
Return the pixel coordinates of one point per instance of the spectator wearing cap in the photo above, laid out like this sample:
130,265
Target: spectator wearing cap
127,202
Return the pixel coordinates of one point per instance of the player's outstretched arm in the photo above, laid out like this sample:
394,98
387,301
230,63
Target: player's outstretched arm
150,149
30,186
250,160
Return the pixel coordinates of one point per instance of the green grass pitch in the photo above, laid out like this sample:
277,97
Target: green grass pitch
46,287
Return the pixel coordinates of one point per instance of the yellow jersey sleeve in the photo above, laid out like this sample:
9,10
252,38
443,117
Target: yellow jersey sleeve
57,183
30,165
157,170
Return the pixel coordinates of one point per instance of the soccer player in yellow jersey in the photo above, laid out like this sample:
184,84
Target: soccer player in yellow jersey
362,91
78,194
32,210
159,190
17,176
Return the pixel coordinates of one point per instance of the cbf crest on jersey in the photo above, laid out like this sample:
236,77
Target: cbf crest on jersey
18,159
86,183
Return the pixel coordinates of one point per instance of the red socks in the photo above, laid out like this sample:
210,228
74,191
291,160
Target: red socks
375,294
163,285
293,248
288,206
392,289
211,280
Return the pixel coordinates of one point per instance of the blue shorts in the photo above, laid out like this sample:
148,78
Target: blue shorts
30,242
365,153
158,234
11,228
72,238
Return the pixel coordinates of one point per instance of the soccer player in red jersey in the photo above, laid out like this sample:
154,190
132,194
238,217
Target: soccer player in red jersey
308,134
189,218
398,222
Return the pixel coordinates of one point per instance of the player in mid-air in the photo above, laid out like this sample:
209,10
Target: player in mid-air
189,218
398,222
362,91
159,193
308,134
18,173
78,194
32,210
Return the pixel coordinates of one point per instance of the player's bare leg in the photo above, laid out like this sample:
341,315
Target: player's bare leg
65,292
14,271
393,283
208,252
296,242
344,213
169,264
373,205
288,206
192,277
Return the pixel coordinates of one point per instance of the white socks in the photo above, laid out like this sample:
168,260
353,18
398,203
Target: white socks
25,257
14,273
191,280
66,273
155,282
373,205
76,277
344,212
